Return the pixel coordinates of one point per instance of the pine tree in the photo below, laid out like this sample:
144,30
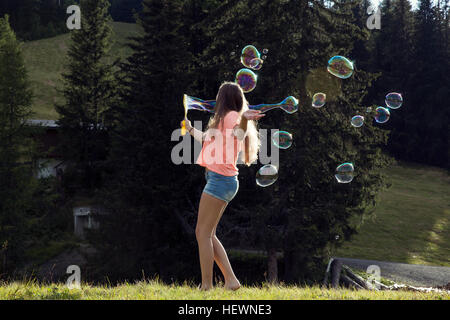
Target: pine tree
425,133
15,148
145,190
88,91
393,59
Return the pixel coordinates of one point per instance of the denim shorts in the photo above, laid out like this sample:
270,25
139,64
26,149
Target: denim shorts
220,186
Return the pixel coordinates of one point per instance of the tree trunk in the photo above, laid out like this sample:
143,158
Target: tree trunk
272,266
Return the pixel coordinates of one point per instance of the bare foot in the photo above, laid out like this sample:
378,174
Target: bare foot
202,288
232,285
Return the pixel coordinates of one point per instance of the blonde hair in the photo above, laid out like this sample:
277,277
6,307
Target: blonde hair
231,98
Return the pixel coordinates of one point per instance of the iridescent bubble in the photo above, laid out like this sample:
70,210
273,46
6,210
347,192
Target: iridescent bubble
192,103
256,64
345,173
340,67
289,105
267,175
259,66
357,121
368,109
248,54
394,100
282,139
264,57
382,115
319,100
246,79
265,51
337,237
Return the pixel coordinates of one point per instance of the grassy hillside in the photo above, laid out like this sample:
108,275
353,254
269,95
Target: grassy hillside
411,222
154,290
45,60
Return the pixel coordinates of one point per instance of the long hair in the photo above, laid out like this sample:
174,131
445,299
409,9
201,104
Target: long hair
231,98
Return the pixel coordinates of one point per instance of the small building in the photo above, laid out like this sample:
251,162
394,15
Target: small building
84,219
50,164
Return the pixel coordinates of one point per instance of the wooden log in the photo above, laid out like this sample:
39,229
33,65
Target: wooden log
356,278
349,282
336,268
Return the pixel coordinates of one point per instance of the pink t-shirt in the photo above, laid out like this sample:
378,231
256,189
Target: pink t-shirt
221,147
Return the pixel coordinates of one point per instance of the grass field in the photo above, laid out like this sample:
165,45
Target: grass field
411,225
45,60
411,222
154,290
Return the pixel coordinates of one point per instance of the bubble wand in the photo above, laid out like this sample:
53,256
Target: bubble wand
183,127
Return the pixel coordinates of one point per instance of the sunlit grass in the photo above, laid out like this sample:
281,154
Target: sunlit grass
45,61
155,290
411,222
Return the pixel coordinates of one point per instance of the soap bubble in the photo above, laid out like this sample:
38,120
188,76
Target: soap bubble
382,115
340,67
289,105
267,175
319,100
246,79
282,139
265,51
368,109
357,121
264,57
248,54
394,100
256,63
192,103
345,172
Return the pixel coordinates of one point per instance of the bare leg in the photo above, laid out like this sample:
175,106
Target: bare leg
221,258
209,212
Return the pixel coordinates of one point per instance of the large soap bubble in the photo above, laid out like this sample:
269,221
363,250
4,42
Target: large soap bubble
282,139
345,173
357,121
319,100
394,100
340,67
267,175
246,79
248,54
382,115
289,105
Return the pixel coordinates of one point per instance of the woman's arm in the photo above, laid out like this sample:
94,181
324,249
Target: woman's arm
197,134
241,129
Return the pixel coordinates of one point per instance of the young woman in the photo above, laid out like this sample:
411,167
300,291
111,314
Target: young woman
231,126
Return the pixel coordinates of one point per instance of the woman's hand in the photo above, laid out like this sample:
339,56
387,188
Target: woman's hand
188,124
253,115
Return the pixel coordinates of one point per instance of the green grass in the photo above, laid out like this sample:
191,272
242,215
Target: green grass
155,290
411,222
45,61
